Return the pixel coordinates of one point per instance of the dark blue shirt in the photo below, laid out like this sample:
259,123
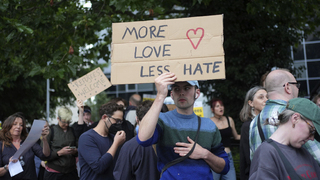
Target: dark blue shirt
136,162
29,170
95,162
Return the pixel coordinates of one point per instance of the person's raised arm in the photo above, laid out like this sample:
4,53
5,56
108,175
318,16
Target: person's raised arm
81,109
46,147
149,121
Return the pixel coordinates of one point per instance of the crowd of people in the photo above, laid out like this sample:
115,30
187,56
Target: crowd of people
144,140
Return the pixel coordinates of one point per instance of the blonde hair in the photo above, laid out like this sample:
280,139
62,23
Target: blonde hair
65,113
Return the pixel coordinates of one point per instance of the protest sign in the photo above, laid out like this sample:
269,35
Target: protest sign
192,48
89,85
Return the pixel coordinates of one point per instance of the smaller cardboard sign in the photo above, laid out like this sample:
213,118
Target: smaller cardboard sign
198,108
149,97
89,85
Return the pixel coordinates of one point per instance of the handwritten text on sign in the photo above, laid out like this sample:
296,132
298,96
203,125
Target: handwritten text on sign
89,85
189,47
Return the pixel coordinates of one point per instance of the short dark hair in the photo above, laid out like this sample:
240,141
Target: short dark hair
86,109
109,108
117,99
143,108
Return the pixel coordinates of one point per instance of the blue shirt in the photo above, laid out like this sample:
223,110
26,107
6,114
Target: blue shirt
95,163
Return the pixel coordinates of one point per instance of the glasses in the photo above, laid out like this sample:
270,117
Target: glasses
118,121
295,83
312,129
64,122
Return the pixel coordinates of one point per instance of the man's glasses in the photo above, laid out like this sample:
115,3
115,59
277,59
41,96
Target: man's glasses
118,121
312,129
295,83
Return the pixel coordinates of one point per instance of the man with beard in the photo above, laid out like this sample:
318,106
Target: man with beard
98,147
175,132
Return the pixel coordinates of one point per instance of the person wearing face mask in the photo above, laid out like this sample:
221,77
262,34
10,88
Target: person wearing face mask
98,147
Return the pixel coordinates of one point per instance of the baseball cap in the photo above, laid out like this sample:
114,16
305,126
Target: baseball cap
192,83
309,110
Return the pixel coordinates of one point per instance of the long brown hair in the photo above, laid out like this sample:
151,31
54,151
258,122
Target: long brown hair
5,135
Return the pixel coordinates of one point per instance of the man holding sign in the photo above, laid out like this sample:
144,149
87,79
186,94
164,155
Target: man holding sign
176,133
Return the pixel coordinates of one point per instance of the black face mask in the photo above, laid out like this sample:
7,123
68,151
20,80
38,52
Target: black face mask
114,128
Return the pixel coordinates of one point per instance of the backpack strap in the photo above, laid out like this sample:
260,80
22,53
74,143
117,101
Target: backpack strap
51,133
260,129
187,155
292,173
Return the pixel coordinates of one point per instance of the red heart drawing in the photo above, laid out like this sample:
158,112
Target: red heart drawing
195,32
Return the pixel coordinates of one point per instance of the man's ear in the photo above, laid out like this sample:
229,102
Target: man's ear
104,116
287,88
197,93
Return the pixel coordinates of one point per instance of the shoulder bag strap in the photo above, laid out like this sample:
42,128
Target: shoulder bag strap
260,129
292,173
187,155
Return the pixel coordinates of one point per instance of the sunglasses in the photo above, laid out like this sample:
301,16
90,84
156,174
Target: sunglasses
295,83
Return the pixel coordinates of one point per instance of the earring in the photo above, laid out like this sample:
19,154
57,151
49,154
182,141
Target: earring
293,125
252,112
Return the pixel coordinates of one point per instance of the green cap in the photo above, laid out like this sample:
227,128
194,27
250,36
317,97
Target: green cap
309,110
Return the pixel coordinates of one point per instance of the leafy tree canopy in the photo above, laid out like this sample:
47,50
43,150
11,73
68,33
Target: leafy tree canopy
61,40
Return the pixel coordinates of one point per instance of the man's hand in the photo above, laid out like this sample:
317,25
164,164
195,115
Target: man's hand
184,148
120,138
163,81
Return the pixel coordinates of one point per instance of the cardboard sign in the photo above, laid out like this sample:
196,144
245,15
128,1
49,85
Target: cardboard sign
89,85
192,48
149,97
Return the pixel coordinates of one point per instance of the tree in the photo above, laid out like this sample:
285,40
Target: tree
46,40
41,40
258,36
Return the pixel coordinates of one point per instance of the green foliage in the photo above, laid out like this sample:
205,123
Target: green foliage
36,36
257,37
96,103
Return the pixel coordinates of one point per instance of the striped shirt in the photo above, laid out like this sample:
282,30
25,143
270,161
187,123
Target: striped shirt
173,127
